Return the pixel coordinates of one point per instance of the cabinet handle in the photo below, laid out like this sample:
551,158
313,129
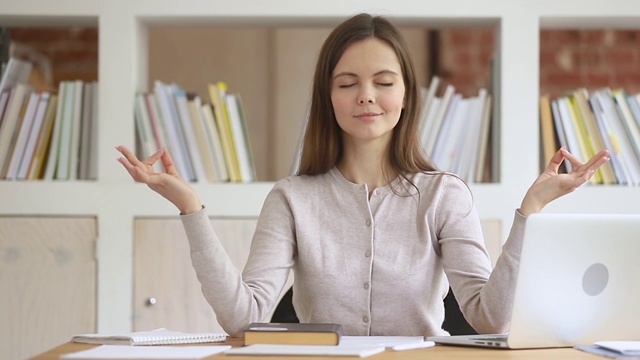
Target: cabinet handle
151,301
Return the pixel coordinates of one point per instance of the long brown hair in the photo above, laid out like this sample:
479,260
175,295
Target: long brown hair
322,147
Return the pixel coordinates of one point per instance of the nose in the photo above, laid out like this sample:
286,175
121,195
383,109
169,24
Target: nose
366,94
365,98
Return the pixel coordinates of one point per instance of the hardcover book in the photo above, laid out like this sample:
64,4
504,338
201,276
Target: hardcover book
293,333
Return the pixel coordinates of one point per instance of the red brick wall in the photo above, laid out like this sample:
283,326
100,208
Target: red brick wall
463,58
589,58
71,52
568,58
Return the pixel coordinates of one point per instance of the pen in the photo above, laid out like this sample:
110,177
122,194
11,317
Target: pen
411,346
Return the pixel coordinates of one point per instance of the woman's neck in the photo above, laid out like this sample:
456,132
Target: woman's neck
373,169
367,162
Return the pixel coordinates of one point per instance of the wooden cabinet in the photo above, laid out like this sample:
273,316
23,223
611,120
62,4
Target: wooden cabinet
166,290
47,282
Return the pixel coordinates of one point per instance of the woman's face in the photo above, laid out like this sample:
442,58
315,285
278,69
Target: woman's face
367,91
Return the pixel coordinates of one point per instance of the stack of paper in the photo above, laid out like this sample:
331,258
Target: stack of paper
614,349
307,350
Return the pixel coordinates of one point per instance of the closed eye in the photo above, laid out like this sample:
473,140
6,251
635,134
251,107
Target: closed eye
345,86
385,84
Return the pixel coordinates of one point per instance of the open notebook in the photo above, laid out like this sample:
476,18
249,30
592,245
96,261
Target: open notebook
160,336
577,283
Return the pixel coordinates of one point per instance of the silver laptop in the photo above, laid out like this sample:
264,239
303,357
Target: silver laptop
578,283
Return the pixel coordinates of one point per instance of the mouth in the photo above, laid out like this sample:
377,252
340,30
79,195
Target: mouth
369,116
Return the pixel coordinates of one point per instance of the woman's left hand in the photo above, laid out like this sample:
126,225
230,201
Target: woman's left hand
551,185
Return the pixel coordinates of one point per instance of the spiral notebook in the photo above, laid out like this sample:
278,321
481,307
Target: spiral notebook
160,336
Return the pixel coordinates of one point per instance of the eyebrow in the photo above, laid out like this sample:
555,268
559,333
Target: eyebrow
381,72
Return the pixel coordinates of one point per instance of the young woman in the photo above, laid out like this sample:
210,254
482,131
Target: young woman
374,234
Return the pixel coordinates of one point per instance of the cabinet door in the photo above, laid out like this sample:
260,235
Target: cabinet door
47,283
166,290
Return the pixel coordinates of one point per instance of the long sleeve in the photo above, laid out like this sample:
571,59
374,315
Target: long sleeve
379,263
240,298
485,297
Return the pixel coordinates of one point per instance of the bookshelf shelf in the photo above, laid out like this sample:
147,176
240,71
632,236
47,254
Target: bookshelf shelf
123,70
47,13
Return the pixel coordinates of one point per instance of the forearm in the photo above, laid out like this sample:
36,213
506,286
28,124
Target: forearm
220,280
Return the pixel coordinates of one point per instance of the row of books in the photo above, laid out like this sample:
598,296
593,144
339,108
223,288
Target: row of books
44,134
586,122
456,131
208,142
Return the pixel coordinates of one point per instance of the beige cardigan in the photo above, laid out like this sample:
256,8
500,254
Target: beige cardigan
378,265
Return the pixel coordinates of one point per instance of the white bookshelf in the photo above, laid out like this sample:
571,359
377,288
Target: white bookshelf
115,200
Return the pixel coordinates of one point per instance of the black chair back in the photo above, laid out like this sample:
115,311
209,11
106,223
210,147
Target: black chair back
454,321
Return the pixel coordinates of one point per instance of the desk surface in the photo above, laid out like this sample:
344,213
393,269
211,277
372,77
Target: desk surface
435,353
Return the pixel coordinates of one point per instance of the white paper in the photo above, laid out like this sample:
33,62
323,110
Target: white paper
623,347
117,352
308,350
413,346
386,341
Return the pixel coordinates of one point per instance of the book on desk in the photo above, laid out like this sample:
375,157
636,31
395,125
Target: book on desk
293,333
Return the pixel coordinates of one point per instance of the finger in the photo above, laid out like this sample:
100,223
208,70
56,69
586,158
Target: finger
167,163
556,160
598,159
125,159
129,155
154,157
136,173
590,168
574,160
593,164
133,165
146,164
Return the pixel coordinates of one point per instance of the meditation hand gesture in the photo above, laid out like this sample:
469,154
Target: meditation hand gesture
551,185
169,184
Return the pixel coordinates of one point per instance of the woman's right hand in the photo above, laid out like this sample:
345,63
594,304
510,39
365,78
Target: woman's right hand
169,184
